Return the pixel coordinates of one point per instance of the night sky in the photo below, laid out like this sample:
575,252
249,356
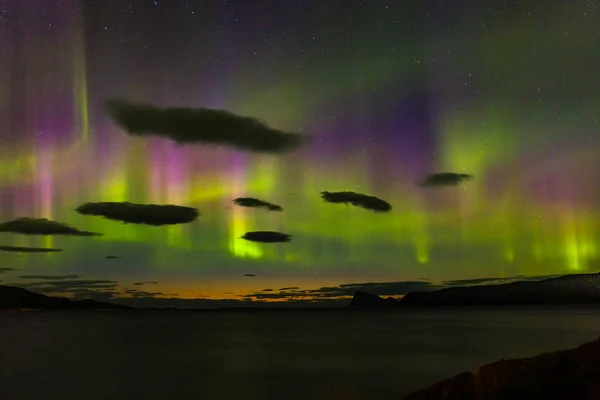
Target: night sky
390,91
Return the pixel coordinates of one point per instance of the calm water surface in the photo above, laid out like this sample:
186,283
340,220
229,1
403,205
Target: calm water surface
267,355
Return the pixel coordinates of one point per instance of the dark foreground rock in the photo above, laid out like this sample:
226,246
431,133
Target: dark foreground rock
565,374
12,298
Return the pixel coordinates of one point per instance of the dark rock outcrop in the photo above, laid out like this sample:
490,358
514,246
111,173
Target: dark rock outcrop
365,300
564,374
568,289
15,298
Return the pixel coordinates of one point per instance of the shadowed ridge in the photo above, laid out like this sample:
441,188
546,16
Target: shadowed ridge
568,289
12,298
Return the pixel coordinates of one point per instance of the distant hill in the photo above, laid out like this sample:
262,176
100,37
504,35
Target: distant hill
14,298
568,289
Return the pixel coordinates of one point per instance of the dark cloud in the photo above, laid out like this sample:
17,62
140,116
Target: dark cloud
49,277
94,294
82,283
290,288
250,275
4,269
42,226
344,291
386,288
267,290
476,281
143,293
146,214
404,287
285,296
18,249
358,200
70,286
444,179
256,203
267,237
144,283
113,257
488,281
201,125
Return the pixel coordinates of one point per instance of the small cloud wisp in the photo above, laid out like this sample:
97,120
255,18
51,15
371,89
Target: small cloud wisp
18,249
444,179
256,203
358,200
267,237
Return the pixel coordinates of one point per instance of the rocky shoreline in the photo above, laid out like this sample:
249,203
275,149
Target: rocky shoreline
572,374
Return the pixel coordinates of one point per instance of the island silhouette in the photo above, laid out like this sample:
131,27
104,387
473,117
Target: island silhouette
566,290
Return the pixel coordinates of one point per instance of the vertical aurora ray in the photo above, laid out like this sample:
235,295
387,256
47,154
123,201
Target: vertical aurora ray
45,186
177,178
578,248
420,238
262,180
114,186
238,221
81,100
80,91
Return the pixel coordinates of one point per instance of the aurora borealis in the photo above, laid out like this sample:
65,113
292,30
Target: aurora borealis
506,91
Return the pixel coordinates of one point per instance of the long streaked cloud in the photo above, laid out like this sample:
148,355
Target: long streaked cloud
21,249
358,200
143,214
202,126
42,227
253,202
49,277
66,286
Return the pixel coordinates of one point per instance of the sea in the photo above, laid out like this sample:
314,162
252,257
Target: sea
244,355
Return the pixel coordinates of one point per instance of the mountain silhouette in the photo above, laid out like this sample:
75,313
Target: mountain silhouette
15,298
365,300
568,289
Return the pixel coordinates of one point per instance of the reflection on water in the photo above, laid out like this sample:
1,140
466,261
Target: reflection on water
270,355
